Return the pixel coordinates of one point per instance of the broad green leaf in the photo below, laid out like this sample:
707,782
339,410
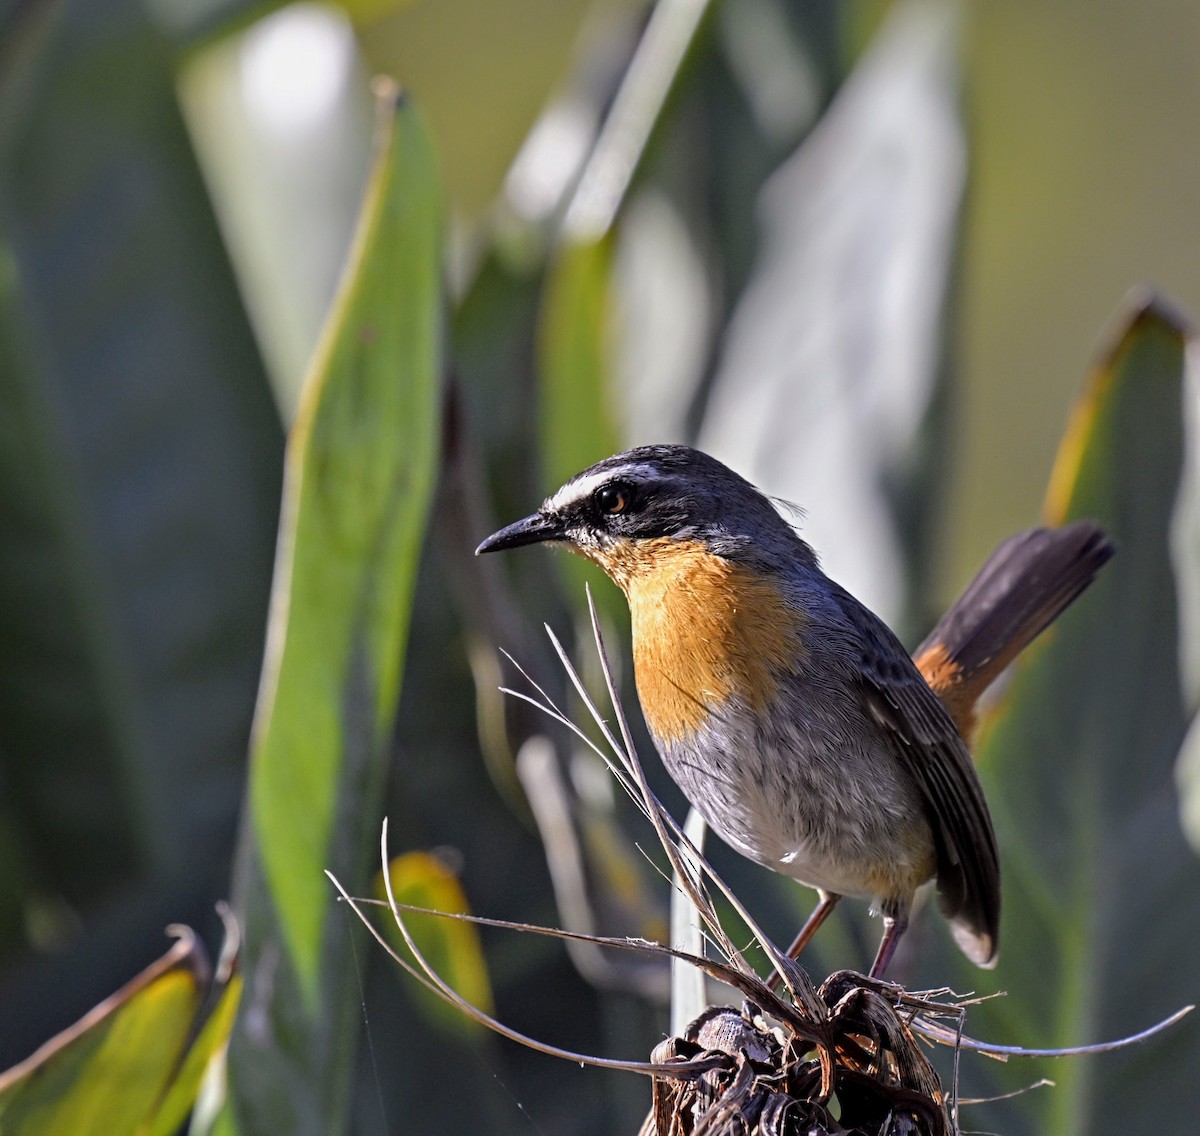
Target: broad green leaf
108,1073
577,423
451,946
359,475
1101,892
574,339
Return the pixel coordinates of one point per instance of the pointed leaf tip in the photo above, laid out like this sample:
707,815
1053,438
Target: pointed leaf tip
1145,346
1144,304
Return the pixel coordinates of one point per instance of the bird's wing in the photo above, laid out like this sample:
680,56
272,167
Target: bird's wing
932,750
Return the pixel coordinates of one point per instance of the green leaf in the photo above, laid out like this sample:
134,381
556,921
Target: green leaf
109,1072
574,338
577,422
451,946
360,472
1101,892
360,468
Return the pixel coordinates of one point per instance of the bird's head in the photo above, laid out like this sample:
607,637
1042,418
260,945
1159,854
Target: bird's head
628,510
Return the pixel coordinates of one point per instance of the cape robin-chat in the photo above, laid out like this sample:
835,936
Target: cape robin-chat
791,717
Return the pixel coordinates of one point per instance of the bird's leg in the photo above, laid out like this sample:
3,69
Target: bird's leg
827,903
893,928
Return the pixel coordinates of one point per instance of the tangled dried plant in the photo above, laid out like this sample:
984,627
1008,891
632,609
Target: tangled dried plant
839,1059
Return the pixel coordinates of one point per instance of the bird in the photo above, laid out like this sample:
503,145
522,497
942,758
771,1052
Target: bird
790,716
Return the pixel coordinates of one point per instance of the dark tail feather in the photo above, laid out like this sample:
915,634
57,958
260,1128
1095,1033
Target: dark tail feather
1023,588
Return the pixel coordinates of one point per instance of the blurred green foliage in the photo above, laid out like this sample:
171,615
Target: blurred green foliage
140,460
775,276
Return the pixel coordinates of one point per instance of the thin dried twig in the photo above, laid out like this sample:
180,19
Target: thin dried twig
746,983
425,974
1003,1052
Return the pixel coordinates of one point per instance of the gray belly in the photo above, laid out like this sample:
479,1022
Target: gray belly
826,803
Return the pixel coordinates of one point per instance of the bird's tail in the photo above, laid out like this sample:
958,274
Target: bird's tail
1024,586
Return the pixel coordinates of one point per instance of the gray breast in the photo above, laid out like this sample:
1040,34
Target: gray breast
815,793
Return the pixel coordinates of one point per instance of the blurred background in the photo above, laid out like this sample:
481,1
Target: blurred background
865,252
1078,191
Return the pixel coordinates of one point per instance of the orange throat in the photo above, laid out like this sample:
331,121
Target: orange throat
705,630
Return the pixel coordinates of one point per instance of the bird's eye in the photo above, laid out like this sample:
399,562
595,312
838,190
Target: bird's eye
614,497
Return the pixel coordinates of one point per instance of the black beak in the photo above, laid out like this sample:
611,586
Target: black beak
534,529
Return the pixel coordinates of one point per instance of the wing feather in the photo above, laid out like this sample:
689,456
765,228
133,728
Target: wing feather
932,750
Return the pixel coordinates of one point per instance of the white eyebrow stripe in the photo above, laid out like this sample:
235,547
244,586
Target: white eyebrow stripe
579,488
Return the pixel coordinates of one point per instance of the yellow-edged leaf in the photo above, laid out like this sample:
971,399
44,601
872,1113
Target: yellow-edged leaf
360,470
108,1072
1101,892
